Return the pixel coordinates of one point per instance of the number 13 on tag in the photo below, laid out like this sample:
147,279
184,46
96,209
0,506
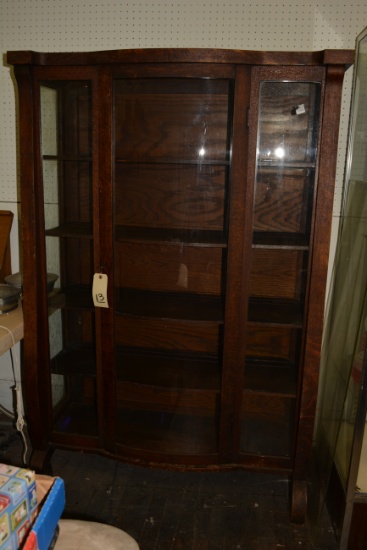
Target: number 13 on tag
100,282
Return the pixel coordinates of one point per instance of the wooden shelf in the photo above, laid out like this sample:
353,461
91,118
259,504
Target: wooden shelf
169,382
168,369
77,418
266,435
77,230
270,377
71,361
169,434
273,239
284,196
199,161
157,235
73,158
169,305
269,419
276,164
78,296
275,312
182,401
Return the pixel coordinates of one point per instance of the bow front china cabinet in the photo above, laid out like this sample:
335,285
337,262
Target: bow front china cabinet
183,198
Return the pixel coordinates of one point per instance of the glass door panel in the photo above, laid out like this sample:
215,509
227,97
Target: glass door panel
67,182
282,212
171,187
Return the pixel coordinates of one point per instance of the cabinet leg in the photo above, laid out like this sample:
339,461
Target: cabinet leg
40,461
298,501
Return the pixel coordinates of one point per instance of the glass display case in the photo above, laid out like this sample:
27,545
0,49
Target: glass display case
183,199
340,466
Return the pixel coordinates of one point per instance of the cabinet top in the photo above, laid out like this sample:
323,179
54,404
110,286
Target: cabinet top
183,55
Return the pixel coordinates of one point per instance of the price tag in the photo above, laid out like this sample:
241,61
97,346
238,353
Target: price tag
99,290
300,110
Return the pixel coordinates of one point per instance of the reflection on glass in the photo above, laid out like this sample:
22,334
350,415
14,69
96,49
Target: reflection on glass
66,153
284,185
171,151
361,485
343,356
344,349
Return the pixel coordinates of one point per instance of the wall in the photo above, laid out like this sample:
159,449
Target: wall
54,25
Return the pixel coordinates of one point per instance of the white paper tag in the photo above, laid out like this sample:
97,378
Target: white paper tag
99,290
300,109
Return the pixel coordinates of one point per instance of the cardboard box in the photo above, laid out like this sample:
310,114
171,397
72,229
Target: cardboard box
18,505
30,508
51,496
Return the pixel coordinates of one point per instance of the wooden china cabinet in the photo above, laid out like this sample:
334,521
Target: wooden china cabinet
184,199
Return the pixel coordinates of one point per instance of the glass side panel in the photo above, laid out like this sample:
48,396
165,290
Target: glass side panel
341,417
341,406
362,470
344,340
343,355
282,213
360,167
67,183
172,140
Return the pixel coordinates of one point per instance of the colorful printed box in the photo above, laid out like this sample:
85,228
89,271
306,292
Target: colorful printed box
18,505
51,496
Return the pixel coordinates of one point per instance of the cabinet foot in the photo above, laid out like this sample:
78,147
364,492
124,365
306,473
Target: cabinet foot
298,501
40,461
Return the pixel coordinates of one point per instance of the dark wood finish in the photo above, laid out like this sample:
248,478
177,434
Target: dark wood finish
319,261
182,55
6,220
292,195
34,312
299,500
149,196
234,348
171,181
169,267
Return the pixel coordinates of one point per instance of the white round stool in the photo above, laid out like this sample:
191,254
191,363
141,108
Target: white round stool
89,535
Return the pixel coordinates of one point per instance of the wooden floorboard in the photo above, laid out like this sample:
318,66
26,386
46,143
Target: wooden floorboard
164,510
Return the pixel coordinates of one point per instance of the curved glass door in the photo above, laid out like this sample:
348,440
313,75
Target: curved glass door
288,121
